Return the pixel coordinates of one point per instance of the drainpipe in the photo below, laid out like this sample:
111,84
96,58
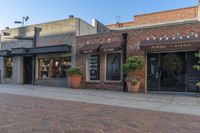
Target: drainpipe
35,40
124,56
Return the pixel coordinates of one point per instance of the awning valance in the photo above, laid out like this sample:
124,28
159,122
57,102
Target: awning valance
110,47
92,48
180,44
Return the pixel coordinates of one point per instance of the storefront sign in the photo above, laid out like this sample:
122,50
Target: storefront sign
109,50
88,51
171,46
94,67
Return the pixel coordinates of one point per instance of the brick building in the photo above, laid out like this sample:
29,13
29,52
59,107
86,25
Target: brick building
164,39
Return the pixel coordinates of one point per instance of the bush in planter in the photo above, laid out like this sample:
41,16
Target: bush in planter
132,65
197,67
73,71
74,77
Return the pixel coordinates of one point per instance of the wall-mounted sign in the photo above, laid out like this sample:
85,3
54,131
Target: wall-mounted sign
168,46
88,51
171,46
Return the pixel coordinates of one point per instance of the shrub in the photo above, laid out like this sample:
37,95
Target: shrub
73,71
134,82
133,64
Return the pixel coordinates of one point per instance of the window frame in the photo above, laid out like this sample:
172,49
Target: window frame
121,73
87,68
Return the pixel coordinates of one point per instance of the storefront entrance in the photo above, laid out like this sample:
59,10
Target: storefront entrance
28,70
172,72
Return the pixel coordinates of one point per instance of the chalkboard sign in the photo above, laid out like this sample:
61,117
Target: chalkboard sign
94,67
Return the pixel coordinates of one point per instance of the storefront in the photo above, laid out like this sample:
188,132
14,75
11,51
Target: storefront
51,68
51,64
102,65
170,64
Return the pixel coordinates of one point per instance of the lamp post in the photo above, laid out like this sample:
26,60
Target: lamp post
24,19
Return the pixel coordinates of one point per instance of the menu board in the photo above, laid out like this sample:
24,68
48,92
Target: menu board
94,65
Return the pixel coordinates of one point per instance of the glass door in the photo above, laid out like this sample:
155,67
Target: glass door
153,72
173,72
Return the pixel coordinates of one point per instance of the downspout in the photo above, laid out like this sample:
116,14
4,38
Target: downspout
124,52
35,39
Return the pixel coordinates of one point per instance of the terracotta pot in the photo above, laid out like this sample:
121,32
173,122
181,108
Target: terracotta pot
74,81
133,88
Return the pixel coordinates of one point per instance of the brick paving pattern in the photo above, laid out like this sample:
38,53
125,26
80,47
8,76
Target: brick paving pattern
22,114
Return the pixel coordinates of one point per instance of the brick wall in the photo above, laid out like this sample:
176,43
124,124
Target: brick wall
134,39
160,17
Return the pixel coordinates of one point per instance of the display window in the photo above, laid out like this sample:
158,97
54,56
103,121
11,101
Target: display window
113,66
54,67
8,66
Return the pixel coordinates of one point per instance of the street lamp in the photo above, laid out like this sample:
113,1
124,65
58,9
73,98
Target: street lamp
24,19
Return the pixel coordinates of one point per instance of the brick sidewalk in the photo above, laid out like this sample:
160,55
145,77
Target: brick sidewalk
184,104
22,114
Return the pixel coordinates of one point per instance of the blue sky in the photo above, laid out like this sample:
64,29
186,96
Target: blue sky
104,10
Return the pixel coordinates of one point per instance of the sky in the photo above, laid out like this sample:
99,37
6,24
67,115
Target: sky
105,11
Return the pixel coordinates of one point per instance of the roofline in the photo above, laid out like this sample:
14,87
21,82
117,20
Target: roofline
32,25
145,14
158,24
165,11
122,30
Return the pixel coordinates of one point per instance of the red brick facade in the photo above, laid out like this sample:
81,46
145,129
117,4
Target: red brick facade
160,17
135,36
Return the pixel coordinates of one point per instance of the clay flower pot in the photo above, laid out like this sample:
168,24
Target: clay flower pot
133,88
74,81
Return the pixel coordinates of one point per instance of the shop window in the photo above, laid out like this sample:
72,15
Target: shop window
54,67
65,65
8,67
93,66
113,66
44,68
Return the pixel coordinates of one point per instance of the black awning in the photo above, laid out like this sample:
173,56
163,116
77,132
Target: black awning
4,53
92,48
19,51
50,49
180,44
37,50
109,47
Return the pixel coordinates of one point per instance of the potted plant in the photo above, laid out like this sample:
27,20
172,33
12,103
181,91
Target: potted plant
132,65
74,77
197,66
